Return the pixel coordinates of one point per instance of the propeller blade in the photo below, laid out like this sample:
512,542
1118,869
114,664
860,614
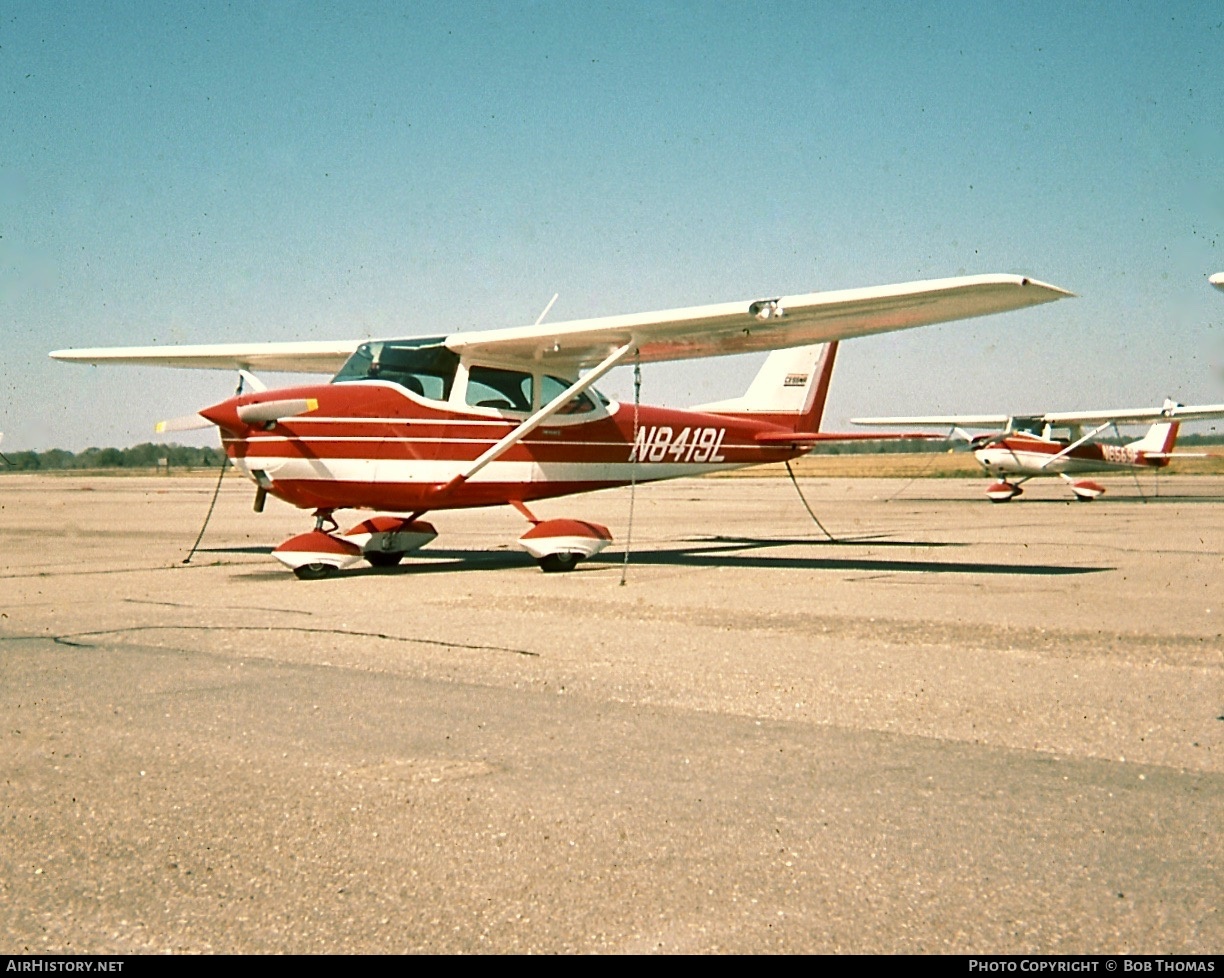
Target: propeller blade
188,422
251,382
265,411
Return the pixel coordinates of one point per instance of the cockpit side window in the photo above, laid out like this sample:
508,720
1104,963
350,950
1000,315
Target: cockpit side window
425,367
493,387
551,387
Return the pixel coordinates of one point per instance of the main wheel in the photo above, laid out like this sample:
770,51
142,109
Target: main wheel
384,558
559,563
315,572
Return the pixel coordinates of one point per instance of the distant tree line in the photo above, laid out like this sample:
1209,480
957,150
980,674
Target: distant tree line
151,456
146,456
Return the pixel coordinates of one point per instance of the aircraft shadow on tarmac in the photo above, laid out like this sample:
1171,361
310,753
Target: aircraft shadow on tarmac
706,552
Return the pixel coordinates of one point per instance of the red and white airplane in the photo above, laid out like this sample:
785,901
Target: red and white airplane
509,416
1024,447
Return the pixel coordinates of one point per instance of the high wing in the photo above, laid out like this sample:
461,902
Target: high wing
762,324
1171,411
699,331
306,358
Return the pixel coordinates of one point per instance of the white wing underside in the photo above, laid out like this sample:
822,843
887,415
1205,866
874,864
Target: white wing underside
700,331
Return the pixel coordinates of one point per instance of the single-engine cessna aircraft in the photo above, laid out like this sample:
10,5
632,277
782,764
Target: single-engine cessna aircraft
508,416
1026,447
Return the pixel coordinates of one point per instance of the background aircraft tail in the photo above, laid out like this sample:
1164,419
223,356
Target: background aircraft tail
789,390
1158,441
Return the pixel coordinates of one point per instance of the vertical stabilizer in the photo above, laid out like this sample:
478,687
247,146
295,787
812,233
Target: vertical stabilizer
790,389
1159,440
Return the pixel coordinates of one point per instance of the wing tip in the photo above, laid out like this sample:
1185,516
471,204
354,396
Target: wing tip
1027,281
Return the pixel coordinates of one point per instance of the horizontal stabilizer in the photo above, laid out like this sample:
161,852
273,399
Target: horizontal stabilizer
804,437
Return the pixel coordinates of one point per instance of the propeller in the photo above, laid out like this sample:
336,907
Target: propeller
188,422
960,440
194,422
988,440
261,413
264,412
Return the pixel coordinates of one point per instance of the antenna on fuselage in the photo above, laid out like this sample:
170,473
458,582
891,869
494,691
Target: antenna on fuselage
556,295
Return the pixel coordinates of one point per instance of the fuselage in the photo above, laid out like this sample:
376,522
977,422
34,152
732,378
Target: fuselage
375,445
1023,454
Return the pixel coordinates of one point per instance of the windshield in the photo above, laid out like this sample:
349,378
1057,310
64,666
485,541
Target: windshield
425,367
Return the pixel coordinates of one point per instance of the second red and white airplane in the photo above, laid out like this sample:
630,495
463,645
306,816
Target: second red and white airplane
1024,447
509,416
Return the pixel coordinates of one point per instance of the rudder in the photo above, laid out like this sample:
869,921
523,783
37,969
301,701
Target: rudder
790,389
1159,440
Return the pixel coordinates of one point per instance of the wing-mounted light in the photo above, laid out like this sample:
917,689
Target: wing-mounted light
767,309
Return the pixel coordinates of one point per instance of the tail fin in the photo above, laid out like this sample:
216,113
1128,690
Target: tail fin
789,390
1159,440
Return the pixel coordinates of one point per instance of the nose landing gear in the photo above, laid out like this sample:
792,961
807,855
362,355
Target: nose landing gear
1003,492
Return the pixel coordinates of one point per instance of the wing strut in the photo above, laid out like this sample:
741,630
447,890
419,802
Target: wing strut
547,411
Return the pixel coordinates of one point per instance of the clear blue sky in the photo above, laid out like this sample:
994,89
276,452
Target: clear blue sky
212,172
